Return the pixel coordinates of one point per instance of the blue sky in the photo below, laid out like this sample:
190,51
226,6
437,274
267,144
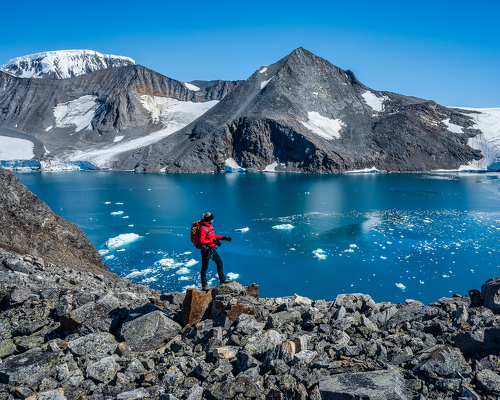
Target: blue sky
447,51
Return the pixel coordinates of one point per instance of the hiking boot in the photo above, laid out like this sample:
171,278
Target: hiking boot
225,281
205,288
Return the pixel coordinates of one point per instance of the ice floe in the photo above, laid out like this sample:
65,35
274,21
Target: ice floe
182,271
121,240
242,229
401,286
232,275
117,213
191,262
283,226
320,254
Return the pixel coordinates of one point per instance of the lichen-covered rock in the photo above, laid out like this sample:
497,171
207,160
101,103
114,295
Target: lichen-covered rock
241,385
148,328
442,360
94,344
376,385
258,345
283,317
103,370
29,368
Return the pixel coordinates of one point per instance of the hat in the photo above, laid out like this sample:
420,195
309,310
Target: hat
208,217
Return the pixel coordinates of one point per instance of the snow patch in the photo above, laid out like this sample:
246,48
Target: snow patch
118,139
374,101
263,69
452,127
264,84
232,166
121,240
191,87
78,112
362,171
172,113
323,126
15,149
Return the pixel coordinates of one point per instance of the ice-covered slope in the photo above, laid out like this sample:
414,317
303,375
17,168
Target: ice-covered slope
63,64
487,121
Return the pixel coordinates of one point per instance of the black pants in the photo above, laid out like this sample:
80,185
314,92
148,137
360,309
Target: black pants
205,258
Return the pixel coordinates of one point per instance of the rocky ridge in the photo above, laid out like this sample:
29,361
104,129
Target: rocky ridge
70,334
29,226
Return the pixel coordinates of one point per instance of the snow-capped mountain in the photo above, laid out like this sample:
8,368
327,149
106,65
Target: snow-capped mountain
300,114
63,64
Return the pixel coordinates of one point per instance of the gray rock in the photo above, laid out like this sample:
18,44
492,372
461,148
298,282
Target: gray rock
304,357
134,369
136,394
19,295
282,318
247,325
354,302
196,393
376,385
19,266
244,385
490,293
57,394
258,345
94,344
405,314
29,367
442,360
478,341
103,370
245,361
148,331
65,305
490,381
172,377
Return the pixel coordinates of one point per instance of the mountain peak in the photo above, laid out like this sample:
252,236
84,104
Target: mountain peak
63,63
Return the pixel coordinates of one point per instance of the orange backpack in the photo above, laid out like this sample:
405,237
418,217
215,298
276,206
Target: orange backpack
195,234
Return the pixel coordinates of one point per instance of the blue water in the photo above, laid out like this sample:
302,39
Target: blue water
393,236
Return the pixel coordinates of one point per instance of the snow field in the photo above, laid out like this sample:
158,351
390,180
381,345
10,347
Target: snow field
78,112
16,149
374,101
323,126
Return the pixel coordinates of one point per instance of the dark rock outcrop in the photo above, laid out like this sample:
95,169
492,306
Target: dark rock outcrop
29,226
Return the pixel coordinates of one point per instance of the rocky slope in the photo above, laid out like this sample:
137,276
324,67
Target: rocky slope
68,334
62,64
29,226
304,114
97,110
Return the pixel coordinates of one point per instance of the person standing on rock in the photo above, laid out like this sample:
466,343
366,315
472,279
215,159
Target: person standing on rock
208,243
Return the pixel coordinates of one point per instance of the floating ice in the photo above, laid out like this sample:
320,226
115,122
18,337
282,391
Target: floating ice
119,203
186,252
242,229
283,226
120,250
232,275
133,274
121,240
401,286
319,254
182,271
126,216
421,282
353,245
183,278
108,202
104,251
117,213
148,280
191,262
446,276
109,257
184,288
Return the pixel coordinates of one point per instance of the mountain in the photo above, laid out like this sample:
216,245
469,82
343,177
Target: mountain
300,114
63,64
95,115
303,114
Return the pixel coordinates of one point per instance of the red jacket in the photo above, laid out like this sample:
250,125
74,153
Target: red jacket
207,235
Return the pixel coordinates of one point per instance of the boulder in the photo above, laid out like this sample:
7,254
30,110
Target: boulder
490,381
195,306
443,360
56,394
244,385
103,370
148,328
18,296
283,317
29,368
490,294
354,302
375,385
225,352
94,344
245,305
478,341
258,345
136,394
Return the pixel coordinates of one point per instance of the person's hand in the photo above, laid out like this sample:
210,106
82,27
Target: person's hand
227,238
218,243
